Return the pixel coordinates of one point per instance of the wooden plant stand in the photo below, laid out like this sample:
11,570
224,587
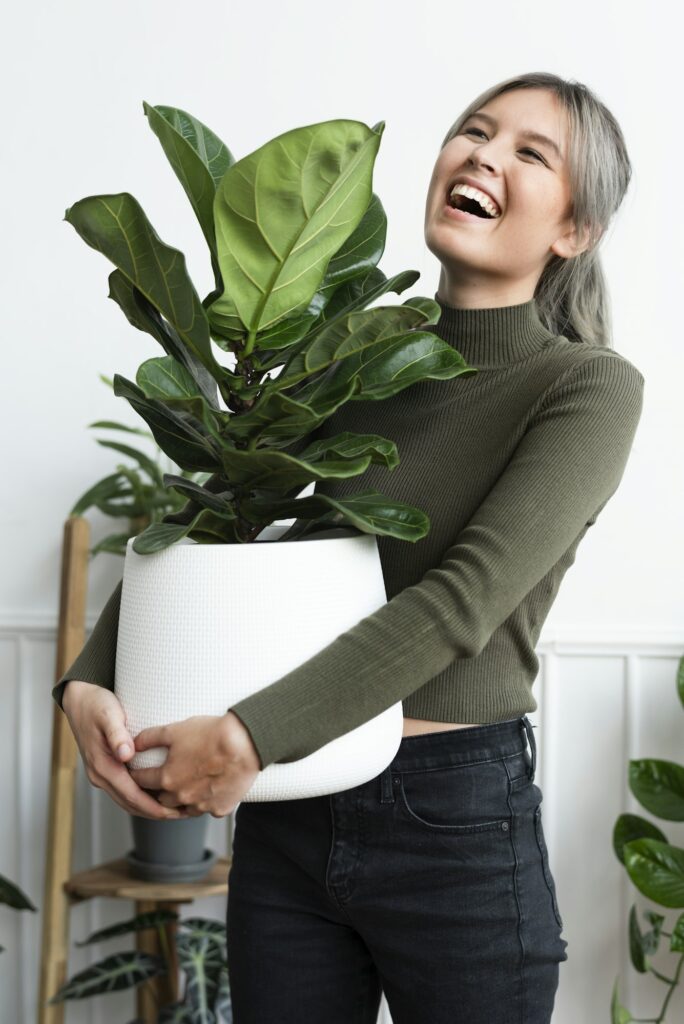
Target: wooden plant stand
114,880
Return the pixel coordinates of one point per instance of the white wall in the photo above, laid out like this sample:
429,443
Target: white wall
74,76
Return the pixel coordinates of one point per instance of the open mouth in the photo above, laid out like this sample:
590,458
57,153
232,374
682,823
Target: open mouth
466,205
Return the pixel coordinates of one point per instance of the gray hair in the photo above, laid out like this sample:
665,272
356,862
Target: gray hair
572,294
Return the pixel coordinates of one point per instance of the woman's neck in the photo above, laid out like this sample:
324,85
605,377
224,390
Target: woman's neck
460,294
493,336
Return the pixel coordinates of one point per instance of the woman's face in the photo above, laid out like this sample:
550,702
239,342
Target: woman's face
499,261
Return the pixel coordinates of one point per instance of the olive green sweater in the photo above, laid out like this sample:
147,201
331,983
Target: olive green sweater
513,465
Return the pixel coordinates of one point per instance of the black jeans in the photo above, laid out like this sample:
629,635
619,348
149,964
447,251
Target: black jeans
430,882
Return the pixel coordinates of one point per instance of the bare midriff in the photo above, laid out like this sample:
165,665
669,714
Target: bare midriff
415,726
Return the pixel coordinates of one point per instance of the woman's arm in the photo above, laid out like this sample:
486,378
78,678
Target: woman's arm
565,468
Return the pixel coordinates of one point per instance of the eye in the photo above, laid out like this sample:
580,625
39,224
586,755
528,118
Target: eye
469,131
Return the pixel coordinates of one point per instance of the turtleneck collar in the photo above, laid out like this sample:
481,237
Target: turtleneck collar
494,335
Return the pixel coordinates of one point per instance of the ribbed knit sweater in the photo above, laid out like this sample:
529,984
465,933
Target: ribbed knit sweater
512,465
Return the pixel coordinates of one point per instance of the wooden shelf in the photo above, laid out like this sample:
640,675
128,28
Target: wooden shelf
116,880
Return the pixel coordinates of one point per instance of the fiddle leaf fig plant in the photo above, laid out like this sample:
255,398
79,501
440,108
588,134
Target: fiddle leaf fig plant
295,234
654,865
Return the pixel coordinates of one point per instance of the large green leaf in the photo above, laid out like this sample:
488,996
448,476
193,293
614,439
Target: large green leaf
142,314
633,826
281,214
207,526
199,160
182,441
659,786
347,335
657,870
123,970
640,946
202,961
356,257
116,225
167,380
354,294
218,502
369,511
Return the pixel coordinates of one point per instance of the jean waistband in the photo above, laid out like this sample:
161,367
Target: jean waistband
459,746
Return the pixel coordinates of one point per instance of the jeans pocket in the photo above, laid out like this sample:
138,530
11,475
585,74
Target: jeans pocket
459,799
550,884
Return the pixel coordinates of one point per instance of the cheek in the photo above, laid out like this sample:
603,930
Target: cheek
535,205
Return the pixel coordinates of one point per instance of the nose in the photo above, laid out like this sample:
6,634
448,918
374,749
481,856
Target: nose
479,162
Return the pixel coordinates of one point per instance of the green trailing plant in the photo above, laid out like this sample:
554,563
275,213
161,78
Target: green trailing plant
654,865
294,233
134,492
12,896
200,945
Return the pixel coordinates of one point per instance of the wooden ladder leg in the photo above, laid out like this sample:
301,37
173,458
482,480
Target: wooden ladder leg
159,991
60,828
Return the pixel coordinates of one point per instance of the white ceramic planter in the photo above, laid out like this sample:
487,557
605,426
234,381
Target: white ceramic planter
203,625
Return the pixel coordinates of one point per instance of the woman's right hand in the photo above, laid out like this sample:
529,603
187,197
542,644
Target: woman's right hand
98,722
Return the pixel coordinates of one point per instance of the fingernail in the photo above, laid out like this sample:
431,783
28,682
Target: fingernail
123,750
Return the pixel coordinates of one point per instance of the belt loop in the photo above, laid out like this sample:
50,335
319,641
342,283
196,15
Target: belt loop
533,745
386,787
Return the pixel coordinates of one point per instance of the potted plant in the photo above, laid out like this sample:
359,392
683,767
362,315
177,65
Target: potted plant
200,945
294,234
654,865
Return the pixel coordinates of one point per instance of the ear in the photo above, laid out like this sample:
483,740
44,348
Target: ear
572,243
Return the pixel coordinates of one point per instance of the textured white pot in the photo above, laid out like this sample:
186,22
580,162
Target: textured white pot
203,625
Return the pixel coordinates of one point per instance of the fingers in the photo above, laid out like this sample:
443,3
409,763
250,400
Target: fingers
153,736
100,732
148,778
116,781
119,740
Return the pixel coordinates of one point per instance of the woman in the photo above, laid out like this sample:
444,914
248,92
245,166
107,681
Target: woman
431,882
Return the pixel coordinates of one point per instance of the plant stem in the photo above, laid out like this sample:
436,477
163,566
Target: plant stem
668,981
673,986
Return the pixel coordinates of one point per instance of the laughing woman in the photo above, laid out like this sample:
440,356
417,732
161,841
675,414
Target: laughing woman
431,882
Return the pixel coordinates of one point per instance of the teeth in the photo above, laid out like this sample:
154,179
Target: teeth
481,197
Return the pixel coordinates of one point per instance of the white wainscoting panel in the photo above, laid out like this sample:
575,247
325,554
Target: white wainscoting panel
602,701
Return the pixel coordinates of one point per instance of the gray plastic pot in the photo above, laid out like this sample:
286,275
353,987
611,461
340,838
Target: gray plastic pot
170,851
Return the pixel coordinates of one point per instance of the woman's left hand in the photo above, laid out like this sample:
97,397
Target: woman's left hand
211,764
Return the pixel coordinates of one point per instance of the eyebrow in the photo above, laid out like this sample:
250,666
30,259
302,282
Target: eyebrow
529,134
